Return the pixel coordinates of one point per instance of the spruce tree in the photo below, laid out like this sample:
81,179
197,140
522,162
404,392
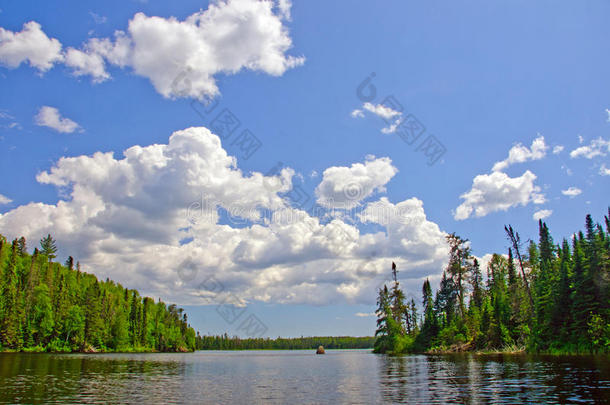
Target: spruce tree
583,296
48,247
561,316
22,248
476,281
545,285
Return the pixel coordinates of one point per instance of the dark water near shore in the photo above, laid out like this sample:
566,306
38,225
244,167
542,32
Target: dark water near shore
340,376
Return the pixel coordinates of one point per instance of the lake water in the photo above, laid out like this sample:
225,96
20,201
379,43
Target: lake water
339,376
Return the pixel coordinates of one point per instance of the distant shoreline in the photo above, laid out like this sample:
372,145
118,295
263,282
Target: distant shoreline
172,352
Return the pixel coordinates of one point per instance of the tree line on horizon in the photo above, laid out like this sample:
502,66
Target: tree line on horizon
541,297
225,342
46,306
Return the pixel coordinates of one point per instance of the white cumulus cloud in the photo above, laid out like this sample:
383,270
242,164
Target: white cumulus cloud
498,192
227,37
51,118
31,44
179,57
572,192
357,113
381,110
345,187
390,115
520,154
597,147
603,170
127,217
284,7
542,214
87,63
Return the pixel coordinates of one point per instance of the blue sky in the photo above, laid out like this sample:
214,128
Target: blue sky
481,77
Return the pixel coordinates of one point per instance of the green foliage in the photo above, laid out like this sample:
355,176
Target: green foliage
555,299
48,247
47,306
74,326
396,321
224,342
43,322
599,333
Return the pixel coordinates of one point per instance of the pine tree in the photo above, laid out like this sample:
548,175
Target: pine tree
459,266
594,251
429,328
414,327
70,263
545,286
500,317
512,274
477,281
583,297
561,316
133,318
445,301
383,304
22,248
518,304
400,314
48,247
427,301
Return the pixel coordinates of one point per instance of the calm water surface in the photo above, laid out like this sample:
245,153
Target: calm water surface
340,376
